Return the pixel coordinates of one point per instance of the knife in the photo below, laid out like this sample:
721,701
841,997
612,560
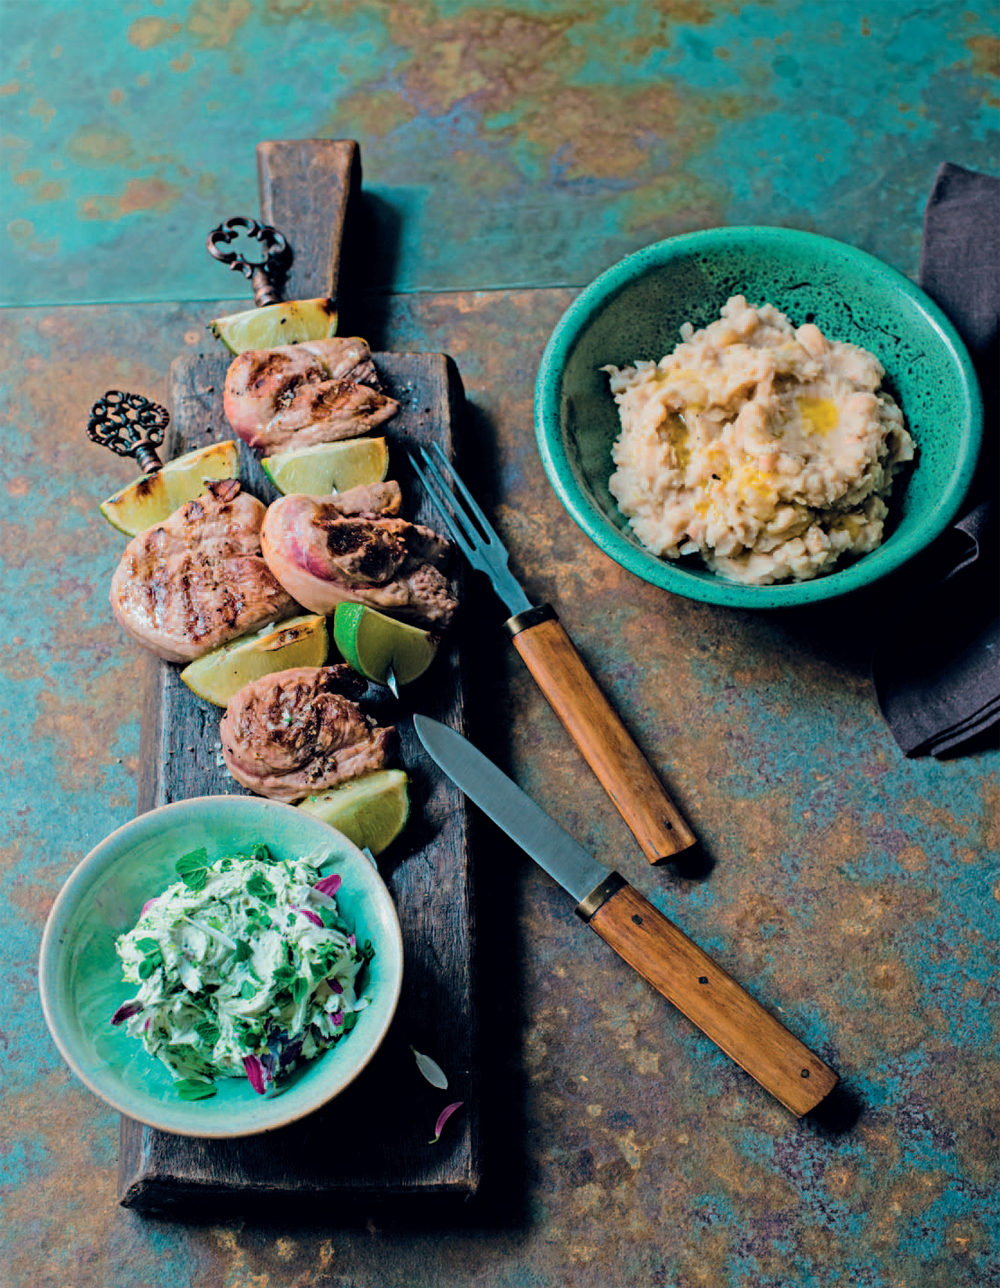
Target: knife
640,934
559,670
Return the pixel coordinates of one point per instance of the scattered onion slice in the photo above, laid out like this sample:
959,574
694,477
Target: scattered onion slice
443,1117
431,1070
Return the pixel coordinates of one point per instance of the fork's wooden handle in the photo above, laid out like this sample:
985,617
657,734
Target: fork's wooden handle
686,976
606,744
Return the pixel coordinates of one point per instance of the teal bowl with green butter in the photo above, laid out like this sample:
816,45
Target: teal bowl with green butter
81,981
635,309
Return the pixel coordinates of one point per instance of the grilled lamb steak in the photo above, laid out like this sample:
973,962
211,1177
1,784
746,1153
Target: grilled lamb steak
198,579
299,731
296,395
352,546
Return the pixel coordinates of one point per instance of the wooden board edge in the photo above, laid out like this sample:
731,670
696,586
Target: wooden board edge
307,191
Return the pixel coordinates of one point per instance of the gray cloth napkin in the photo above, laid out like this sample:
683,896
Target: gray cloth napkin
937,673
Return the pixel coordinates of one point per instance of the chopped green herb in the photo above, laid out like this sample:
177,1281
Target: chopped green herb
150,964
193,1089
208,1031
261,888
193,869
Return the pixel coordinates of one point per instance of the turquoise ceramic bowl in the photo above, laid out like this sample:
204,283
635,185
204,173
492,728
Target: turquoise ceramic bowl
635,310
81,984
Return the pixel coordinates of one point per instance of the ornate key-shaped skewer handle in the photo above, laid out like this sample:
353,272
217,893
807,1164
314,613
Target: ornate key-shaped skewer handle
131,426
265,274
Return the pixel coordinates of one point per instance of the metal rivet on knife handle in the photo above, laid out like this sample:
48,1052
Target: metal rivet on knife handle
724,1011
605,743
265,275
129,425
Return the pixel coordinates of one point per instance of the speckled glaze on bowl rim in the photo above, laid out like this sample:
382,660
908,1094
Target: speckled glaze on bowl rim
80,981
722,257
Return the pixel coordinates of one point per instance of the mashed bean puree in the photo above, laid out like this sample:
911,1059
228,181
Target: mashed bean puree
767,450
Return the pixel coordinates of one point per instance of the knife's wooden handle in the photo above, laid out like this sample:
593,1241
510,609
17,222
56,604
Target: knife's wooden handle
713,1000
606,744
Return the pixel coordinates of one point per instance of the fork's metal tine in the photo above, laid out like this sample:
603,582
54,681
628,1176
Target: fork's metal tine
432,487
483,549
470,500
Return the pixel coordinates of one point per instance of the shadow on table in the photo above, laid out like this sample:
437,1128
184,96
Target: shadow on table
838,1114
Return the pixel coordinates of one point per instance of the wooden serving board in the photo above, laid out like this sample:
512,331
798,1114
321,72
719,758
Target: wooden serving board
373,1141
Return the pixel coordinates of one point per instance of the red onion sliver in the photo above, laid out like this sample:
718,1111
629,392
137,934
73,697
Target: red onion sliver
126,1011
328,885
443,1117
255,1072
310,916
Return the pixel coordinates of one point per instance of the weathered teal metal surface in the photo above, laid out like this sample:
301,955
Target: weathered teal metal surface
853,891
528,144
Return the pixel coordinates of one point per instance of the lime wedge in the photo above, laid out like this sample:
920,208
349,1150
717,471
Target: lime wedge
289,322
155,497
329,467
217,675
370,811
372,643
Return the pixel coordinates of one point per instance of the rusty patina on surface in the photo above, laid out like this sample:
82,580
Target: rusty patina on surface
517,144
853,891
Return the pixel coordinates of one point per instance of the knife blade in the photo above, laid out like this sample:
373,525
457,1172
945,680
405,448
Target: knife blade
641,935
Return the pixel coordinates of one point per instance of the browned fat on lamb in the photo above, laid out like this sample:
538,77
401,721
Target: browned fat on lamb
299,731
297,395
198,579
352,546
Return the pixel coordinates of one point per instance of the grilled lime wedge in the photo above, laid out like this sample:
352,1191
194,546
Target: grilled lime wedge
372,643
298,641
370,811
155,497
289,322
329,467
